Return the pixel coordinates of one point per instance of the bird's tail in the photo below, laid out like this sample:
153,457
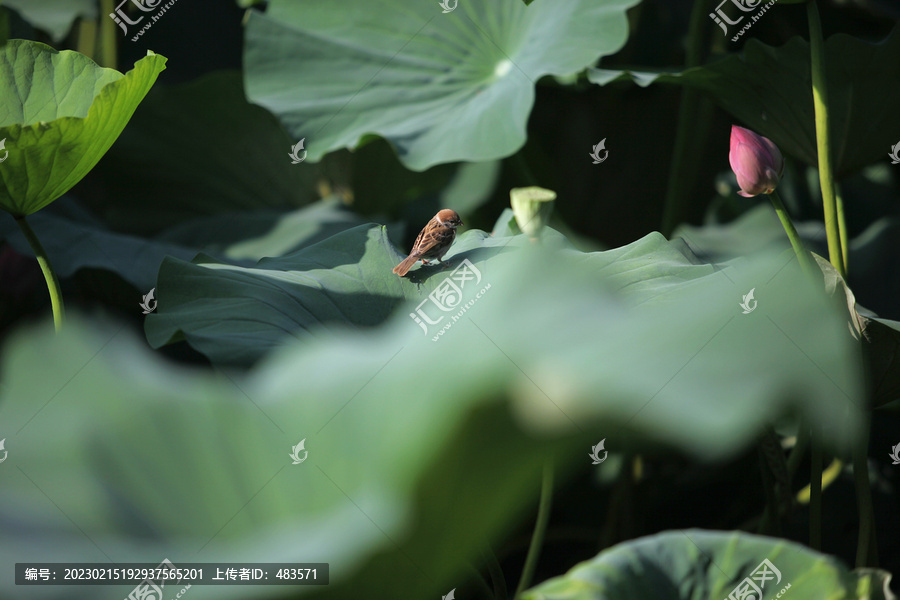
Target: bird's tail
405,266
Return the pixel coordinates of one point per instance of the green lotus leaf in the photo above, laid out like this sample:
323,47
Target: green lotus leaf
587,327
139,459
440,86
76,240
59,114
710,564
555,350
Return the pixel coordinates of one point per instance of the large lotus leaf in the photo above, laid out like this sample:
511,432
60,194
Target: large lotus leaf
117,456
343,280
770,91
75,240
59,114
696,564
441,87
382,185
586,328
198,149
54,16
551,349
874,256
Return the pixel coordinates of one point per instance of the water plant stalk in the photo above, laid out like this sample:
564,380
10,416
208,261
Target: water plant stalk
540,528
815,491
56,300
803,256
108,34
673,211
866,550
823,137
836,231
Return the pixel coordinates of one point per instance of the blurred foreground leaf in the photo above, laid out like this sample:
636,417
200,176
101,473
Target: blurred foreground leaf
420,443
592,330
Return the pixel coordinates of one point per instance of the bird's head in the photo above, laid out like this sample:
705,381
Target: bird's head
449,218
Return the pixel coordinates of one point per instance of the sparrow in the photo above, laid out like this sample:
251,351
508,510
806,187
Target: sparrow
433,242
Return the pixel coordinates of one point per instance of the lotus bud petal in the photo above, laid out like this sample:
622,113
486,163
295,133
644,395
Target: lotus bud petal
756,162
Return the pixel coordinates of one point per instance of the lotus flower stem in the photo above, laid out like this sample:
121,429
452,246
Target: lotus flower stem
806,261
108,34
798,451
56,300
673,211
836,230
496,573
842,224
866,548
815,491
823,138
540,527
87,37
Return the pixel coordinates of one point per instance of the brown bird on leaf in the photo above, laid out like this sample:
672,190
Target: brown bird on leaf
433,241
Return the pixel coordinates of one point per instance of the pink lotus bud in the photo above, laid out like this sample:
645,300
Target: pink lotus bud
756,162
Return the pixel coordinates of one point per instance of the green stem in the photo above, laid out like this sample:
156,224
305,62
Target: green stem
496,571
866,553
108,32
806,261
673,212
56,300
799,451
540,528
842,225
769,522
87,37
815,491
823,138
